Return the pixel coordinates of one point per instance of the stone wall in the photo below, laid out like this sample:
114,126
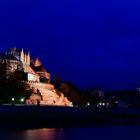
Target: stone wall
48,96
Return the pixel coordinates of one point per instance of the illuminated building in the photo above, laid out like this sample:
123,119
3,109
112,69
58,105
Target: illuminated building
34,74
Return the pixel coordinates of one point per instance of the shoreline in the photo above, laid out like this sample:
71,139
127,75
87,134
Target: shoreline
53,116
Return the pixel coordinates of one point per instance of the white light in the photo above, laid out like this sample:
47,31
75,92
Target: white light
13,99
103,104
100,103
107,103
116,102
88,104
22,99
71,105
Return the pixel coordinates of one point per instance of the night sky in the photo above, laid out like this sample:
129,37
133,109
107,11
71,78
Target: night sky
89,43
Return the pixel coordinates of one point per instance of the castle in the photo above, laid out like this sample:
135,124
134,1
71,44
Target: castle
34,74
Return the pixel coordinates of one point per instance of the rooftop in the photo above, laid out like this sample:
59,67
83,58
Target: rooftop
7,56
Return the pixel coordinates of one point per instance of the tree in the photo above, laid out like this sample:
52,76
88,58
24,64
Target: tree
72,93
13,88
2,72
56,82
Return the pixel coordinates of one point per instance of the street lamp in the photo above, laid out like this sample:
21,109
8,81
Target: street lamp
22,100
88,104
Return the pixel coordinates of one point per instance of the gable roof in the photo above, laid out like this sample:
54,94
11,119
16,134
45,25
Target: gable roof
38,68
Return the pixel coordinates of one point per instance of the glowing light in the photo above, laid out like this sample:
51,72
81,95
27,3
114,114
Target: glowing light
22,99
13,99
107,104
103,104
116,102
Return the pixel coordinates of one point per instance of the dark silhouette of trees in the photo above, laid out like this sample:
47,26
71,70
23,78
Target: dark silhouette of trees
79,97
73,94
130,97
2,72
70,92
56,82
13,87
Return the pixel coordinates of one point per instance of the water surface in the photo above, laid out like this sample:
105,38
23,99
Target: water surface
93,133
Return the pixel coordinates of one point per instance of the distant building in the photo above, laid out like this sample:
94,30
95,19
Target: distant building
32,72
138,90
97,92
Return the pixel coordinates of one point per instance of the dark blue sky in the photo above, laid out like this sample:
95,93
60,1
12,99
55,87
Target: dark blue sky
90,43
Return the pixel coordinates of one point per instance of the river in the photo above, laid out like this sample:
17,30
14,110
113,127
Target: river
89,133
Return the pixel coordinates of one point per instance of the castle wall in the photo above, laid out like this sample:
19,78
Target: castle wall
11,67
49,95
31,77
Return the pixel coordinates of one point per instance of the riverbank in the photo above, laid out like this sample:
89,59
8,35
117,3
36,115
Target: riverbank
52,116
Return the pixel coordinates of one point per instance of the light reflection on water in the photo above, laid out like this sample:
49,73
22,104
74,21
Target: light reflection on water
43,134
34,134
95,133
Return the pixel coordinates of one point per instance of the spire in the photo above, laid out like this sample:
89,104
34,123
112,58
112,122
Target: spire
22,55
37,62
25,58
28,58
22,50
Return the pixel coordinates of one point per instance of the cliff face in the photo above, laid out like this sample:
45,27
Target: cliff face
45,94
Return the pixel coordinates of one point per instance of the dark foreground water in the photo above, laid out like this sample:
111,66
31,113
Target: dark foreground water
94,133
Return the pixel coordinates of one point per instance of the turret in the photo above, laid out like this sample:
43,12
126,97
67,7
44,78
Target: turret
37,62
28,58
22,55
25,58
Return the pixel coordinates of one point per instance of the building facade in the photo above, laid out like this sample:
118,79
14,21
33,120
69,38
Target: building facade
17,59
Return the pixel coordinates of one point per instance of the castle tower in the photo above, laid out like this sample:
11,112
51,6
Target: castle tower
25,58
28,58
22,55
